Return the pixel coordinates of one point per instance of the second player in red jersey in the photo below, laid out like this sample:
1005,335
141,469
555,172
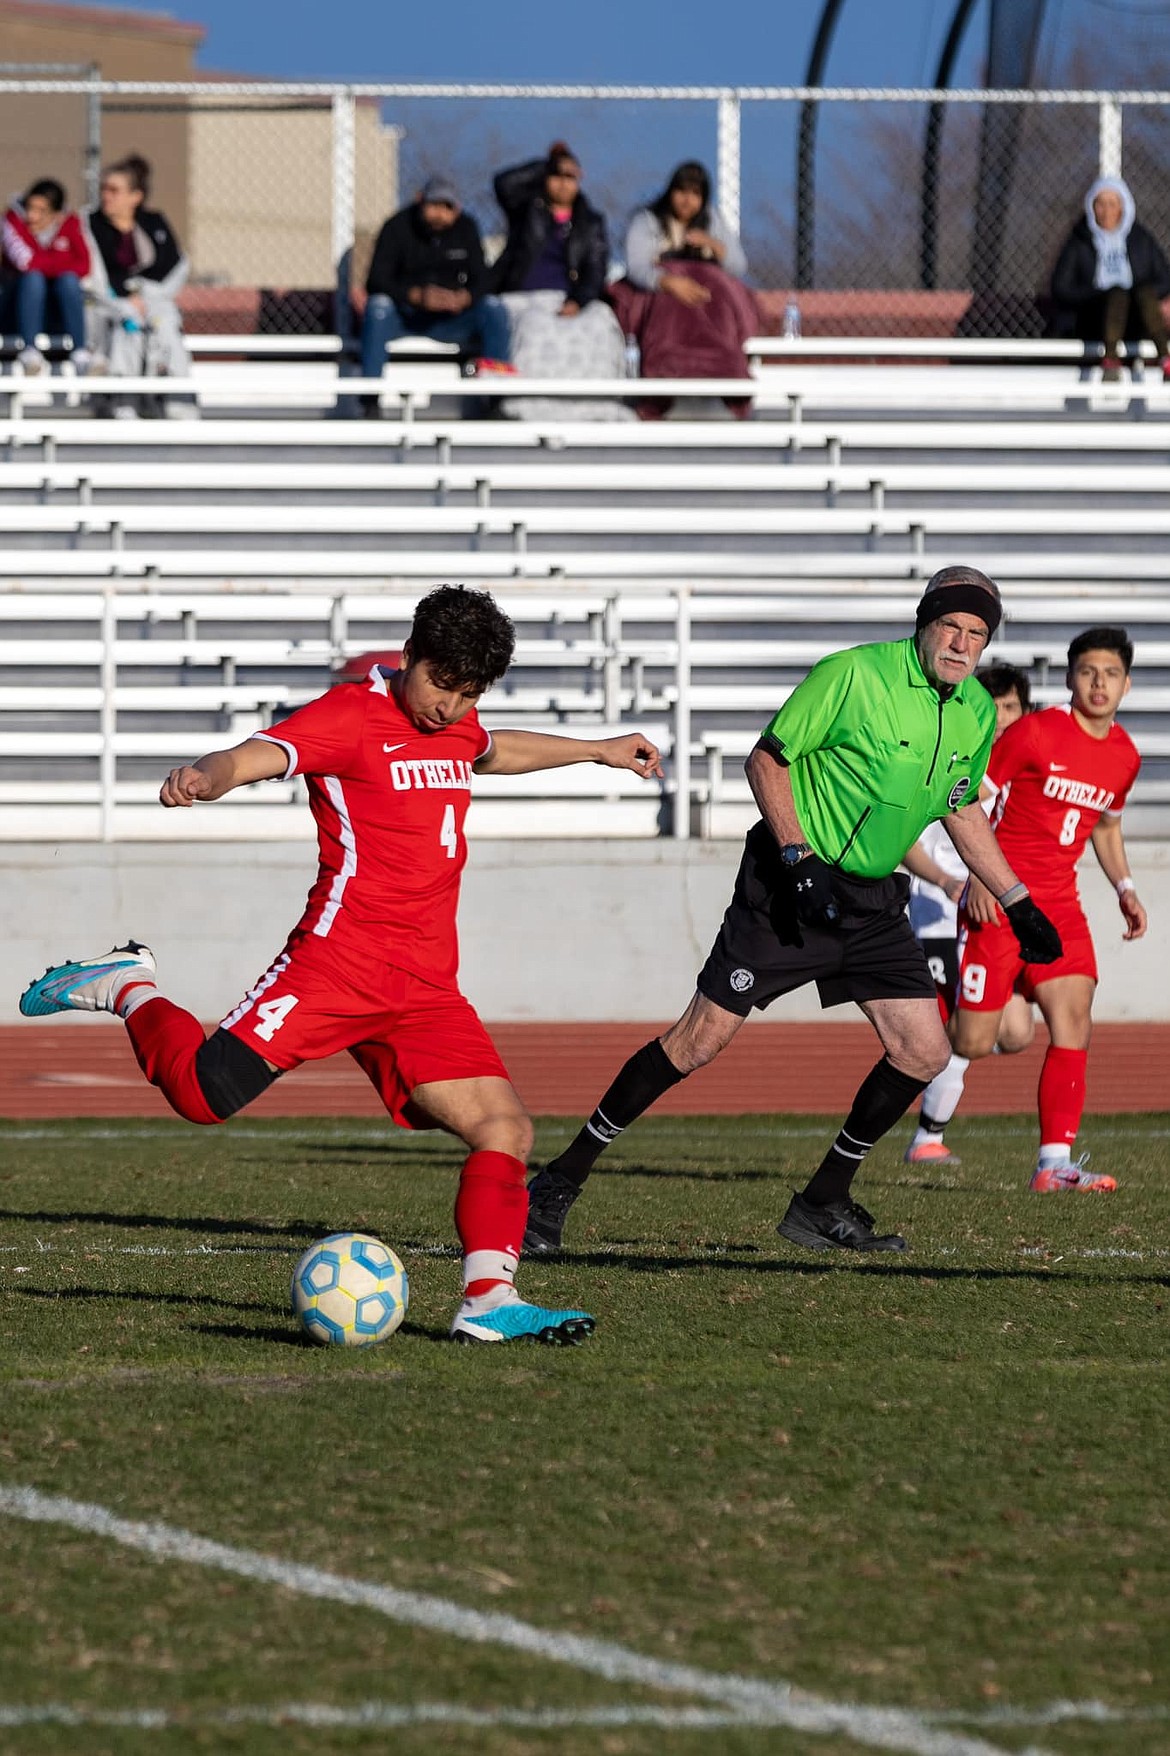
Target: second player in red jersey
1062,777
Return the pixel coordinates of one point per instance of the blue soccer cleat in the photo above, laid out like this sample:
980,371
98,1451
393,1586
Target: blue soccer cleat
514,1320
88,984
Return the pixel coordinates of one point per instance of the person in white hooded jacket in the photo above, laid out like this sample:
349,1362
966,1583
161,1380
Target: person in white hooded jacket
1111,277
137,271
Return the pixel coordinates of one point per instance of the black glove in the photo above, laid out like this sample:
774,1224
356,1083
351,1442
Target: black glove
1038,939
812,885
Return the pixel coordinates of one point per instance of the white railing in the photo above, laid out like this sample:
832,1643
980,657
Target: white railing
647,655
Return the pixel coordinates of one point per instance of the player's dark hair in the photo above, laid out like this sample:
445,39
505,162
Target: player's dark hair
1000,680
48,189
464,636
1102,640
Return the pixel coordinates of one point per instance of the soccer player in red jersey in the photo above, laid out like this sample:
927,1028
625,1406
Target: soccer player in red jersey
1061,777
371,967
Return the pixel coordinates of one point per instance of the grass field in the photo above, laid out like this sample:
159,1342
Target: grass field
928,1493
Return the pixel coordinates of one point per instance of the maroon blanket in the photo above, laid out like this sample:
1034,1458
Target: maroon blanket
689,341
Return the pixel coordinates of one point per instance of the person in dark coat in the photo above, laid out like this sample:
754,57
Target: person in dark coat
557,240
427,277
1111,277
551,277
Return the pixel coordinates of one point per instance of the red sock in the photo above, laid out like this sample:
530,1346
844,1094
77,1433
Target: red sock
491,1210
1062,1095
166,1040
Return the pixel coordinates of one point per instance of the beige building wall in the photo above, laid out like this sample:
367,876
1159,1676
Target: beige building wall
261,190
248,188
45,136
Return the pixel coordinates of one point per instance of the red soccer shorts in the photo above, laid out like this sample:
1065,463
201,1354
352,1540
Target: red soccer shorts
991,969
402,1031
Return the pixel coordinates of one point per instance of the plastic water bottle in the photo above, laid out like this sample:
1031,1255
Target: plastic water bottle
633,357
791,329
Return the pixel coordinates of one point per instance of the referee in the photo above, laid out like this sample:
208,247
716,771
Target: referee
873,745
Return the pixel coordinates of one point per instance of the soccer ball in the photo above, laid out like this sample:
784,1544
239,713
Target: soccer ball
349,1290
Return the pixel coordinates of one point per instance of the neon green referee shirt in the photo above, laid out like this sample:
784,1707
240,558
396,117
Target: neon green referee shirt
876,754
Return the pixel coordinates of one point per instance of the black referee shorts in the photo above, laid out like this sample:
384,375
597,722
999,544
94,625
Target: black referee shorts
763,951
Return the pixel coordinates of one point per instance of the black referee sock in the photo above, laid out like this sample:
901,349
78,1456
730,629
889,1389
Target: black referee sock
643,1079
884,1095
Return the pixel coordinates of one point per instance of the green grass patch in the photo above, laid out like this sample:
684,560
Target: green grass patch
934,1482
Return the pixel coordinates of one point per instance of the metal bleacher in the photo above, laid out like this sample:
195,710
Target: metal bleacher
168,587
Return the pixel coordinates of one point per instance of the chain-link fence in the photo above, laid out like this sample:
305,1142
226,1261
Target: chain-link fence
883,212
49,133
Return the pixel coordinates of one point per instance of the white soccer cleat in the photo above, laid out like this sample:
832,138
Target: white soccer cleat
88,984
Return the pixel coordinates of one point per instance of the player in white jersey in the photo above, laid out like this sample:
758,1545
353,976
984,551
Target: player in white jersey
938,878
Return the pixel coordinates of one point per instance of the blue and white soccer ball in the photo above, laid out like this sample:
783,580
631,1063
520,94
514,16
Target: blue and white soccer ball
349,1290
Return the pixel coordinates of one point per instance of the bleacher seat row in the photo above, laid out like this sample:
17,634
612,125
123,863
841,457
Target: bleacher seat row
168,588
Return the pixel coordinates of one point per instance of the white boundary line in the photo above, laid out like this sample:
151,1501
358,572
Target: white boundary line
450,1252
388,1716
752,1701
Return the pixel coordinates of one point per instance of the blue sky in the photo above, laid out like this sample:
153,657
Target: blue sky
878,42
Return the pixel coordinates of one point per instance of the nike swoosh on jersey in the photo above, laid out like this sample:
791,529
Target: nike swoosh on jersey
1058,767
388,749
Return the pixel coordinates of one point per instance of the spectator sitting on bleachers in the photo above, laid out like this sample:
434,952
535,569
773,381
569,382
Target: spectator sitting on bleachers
684,300
427,277
45,261
137,272
1110,278
551,276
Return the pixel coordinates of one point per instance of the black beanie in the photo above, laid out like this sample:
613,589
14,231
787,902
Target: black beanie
963,589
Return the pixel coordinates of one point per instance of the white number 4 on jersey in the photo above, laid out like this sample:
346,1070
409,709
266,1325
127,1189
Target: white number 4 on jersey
448,834
274,1013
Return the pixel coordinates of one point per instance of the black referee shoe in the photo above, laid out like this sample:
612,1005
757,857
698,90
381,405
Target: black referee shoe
550,1196
842,1225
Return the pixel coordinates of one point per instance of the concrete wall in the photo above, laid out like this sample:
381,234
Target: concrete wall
550,930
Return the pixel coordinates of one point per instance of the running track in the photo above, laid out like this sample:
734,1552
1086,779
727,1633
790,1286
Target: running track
81,1068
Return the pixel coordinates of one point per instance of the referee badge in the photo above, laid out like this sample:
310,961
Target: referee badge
958,792
741,980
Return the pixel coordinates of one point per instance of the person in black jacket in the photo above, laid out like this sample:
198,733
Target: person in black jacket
1110,278
427,277
551,277
556,239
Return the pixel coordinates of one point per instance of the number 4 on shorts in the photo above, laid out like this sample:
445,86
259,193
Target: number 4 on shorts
274,1013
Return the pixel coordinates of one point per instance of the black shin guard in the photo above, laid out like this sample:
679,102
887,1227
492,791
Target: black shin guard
230,1074
883,1096
643,1079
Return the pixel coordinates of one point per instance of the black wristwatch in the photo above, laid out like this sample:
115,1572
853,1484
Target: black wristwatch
793,852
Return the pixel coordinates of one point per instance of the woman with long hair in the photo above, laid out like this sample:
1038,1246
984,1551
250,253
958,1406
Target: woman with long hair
683,299
138,270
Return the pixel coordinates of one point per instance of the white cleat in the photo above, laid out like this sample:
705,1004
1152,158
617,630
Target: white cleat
88,984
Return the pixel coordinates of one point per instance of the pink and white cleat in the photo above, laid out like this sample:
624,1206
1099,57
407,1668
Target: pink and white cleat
931,1152
1055,1179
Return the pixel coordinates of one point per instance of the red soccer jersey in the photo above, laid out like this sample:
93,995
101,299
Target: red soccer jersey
1054,784
389,802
